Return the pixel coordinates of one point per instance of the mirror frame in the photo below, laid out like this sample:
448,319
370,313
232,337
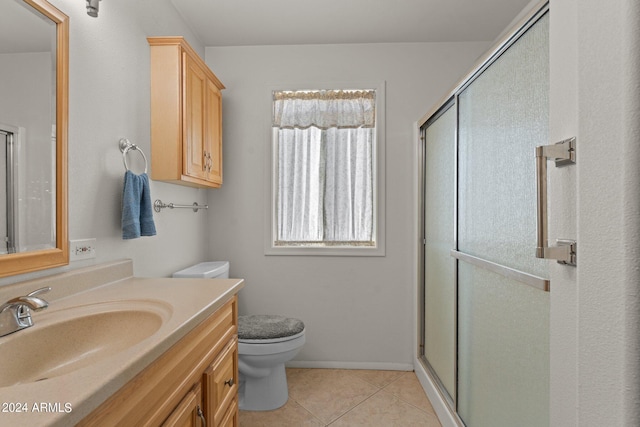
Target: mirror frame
25,262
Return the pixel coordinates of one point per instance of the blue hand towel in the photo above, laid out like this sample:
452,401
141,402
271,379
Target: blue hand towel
137,210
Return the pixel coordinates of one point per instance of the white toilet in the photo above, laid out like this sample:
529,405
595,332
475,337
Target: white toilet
265,343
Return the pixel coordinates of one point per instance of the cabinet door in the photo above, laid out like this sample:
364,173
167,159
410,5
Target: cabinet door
194,148
231,417
188,413
214,133
221,384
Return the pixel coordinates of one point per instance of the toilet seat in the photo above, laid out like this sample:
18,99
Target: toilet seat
270,340
262,327
269,334
270,346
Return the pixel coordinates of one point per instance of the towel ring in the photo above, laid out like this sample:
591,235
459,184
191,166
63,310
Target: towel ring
125,146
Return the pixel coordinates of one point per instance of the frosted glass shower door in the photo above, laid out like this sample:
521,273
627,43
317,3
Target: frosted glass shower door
439,268
3,199
503,323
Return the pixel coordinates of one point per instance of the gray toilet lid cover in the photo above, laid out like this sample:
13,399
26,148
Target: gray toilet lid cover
266,326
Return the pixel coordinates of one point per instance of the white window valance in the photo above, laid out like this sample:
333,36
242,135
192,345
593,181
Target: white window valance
324,109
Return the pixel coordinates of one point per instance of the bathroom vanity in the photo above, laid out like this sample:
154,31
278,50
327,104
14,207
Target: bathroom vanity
194,381
113,349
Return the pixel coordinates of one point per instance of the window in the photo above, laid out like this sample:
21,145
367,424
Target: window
324,166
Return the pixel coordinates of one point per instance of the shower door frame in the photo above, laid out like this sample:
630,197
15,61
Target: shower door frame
13,137
450,103
444,400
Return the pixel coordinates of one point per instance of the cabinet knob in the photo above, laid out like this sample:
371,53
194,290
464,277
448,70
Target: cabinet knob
229,382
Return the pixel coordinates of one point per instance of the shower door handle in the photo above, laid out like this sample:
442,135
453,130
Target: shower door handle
564,153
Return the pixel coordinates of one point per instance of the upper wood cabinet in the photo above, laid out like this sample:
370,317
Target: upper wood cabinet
186,116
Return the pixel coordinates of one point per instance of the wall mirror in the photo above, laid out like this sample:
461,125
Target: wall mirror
34,44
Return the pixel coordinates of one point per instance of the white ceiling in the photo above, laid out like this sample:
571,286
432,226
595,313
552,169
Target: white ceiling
281,22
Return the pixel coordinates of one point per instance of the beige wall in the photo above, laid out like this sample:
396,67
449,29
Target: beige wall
595,88
359,311
108,100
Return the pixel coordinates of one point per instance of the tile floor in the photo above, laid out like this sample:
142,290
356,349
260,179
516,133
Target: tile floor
348,398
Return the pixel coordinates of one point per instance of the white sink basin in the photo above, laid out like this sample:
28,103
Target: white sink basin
63,341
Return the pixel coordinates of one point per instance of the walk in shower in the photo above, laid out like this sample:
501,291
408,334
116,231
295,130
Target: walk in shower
484,303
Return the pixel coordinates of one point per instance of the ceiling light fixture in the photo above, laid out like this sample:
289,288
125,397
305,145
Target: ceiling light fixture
92,7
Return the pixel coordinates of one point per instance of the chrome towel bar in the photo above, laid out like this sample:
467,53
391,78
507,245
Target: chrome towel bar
158,206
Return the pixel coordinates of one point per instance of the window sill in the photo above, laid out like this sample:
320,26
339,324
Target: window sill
324,251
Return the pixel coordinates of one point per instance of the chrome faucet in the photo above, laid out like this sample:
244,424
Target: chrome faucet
15,314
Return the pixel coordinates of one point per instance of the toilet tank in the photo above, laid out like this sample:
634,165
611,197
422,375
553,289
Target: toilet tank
206,270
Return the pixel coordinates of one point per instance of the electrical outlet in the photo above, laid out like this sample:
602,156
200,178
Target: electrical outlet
82,249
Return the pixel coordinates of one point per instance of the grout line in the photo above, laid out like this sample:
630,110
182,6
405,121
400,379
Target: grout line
377,388
409,403
376,385
417,407
349,373
355,406
309,412
382,389
351,409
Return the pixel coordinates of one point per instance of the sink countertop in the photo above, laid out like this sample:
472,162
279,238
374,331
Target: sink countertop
66,399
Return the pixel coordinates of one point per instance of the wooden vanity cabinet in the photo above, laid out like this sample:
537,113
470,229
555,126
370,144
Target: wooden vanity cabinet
186,116
197,376
221,384
189,411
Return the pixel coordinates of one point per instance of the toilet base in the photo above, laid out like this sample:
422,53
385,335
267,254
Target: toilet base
264,393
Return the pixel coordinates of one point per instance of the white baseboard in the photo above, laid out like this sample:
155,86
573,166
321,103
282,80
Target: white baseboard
447,419
381,366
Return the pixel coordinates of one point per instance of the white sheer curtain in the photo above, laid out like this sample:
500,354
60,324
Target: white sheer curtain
325,143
